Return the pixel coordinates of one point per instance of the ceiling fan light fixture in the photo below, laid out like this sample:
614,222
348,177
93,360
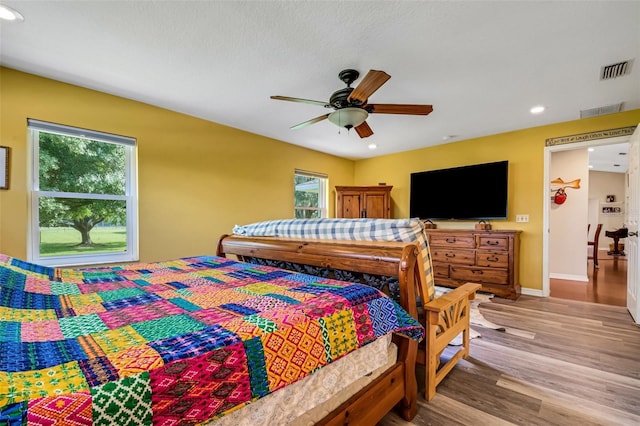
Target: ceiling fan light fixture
348,117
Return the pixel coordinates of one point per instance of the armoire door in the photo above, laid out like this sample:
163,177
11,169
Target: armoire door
376,205
351,206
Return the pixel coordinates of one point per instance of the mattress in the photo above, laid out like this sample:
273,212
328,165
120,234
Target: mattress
312,398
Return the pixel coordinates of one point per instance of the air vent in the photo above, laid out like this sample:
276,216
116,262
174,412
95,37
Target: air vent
607,109
608,72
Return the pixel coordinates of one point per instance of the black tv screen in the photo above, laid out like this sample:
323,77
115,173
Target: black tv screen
469,192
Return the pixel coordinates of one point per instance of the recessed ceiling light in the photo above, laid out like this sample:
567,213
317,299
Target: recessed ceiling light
446,138
537,109
372,146
590,166
591,149
9,14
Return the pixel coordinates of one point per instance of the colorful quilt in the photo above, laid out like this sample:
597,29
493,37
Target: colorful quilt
171,343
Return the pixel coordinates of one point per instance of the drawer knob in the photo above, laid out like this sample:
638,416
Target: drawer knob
492,259
477,271
450,240
450,255
493,243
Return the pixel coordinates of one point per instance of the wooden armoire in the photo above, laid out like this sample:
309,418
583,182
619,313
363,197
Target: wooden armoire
364,201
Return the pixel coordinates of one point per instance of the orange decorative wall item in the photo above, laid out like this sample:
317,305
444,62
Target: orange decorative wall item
558,186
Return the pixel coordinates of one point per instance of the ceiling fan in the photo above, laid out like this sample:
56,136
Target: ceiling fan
351,107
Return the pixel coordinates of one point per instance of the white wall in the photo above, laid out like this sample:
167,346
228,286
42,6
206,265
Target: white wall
568,221
602,184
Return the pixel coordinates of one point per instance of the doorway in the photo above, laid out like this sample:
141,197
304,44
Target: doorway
606,284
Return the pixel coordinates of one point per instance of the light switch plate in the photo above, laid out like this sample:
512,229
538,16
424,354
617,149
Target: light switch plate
522,218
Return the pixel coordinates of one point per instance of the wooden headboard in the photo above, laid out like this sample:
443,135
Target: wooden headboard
376,259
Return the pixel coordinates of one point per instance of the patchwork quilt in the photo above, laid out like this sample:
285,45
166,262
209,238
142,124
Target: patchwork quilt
168,343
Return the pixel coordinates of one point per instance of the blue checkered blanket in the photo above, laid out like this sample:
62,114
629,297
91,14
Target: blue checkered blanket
403,230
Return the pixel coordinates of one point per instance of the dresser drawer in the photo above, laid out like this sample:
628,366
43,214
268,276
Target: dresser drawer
495,243
492,259
480,275
441,271
452,241
460,257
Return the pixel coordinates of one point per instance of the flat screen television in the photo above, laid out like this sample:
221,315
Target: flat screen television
469,192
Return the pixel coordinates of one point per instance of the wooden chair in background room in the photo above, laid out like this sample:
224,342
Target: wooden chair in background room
594,244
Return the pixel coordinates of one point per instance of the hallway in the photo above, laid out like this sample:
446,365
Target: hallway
607,285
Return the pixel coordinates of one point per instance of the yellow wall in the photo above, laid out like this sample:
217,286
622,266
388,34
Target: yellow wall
196,179
524,149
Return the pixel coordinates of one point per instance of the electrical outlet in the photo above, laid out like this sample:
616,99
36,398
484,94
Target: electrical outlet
522,218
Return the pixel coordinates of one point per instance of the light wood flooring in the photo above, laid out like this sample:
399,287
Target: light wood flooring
607,284
560,362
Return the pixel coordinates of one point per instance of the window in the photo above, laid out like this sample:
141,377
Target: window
310,194
83,196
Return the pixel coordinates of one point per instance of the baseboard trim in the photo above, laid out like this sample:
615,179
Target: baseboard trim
569,277
531,292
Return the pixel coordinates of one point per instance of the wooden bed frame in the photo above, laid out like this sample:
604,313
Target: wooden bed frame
444,318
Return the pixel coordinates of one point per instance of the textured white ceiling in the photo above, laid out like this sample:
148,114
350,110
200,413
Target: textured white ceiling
481,64
610,158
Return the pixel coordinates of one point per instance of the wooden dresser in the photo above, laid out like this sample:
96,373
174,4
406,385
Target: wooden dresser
364,201
489,258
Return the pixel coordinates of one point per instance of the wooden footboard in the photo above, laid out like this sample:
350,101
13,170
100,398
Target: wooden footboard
443,318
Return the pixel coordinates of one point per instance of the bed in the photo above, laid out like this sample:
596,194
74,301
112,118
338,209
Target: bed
444,312
151,343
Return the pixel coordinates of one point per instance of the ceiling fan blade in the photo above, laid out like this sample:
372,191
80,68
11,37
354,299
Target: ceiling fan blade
399,109
364,131
369,84
304,101
309,122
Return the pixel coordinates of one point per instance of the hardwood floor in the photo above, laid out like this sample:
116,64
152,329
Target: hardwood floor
607,284
560,362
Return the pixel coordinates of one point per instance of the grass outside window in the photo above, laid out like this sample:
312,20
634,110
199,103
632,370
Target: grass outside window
60,241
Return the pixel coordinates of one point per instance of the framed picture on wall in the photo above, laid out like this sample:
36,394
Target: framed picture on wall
611,198
4,167
612,210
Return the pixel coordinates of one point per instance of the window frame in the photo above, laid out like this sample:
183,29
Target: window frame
130,196
323,192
